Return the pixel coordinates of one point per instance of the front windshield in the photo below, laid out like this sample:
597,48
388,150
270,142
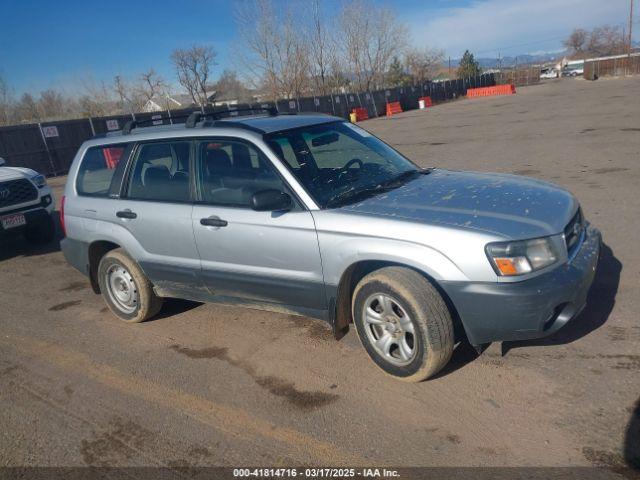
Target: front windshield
339,162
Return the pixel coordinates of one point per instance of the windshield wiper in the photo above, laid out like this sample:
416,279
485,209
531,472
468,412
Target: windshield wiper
351,196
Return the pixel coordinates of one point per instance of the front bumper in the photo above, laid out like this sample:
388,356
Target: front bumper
529,309
33,216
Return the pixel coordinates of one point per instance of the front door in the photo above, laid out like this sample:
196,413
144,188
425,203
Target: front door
251,256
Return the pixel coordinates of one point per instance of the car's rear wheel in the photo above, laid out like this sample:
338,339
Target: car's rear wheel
125,288
41,232
403,323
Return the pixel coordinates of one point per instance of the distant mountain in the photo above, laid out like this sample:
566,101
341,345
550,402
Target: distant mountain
510,61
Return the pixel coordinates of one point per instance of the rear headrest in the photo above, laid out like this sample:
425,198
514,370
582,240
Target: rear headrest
156,174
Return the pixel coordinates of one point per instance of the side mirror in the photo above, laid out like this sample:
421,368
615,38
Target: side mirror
1,161
271,200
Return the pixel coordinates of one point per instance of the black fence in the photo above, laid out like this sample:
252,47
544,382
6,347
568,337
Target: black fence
50,147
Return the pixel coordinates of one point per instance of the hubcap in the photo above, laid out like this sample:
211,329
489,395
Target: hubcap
389,329
121,288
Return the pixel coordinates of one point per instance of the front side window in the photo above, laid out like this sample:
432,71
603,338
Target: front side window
161,172
97,169
231,171
339,162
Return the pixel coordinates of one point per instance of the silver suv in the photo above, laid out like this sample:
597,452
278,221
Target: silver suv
310,215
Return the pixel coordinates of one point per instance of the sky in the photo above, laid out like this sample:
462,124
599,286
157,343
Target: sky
63,44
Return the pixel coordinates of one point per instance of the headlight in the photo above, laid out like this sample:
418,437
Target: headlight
518,258
39,180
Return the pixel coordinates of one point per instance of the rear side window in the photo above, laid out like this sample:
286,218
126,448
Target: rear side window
97,169
161,172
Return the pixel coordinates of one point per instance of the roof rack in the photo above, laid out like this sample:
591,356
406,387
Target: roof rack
195,117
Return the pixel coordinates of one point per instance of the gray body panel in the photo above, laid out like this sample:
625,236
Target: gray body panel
438,224
510,206
261,256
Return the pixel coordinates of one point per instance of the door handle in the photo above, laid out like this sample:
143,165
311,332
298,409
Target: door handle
126,214
213,222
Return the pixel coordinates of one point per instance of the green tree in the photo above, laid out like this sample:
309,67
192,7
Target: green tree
396,76
468,66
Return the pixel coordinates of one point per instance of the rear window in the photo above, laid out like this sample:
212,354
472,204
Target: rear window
97,169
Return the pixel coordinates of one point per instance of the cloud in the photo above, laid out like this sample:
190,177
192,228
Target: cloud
487,27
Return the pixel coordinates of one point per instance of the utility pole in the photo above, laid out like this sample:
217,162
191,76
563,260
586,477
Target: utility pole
629,46
449,66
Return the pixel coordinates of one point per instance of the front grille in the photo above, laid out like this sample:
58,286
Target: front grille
15,192
573,232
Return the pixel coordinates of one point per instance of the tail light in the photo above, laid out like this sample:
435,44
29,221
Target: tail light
64,230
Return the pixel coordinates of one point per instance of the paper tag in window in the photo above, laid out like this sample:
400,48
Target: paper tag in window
358,130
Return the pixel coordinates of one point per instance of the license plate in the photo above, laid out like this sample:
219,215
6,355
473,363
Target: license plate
12,221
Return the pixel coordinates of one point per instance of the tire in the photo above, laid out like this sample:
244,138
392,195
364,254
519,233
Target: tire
42,232
410,303
125,288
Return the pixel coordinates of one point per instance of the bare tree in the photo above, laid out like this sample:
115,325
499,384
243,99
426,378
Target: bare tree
606,40
230,87
151,87
423,64
193,68
7,106
322,50
273,49
96,99
52,105
576,42
293,57
129,101
371,38
27,109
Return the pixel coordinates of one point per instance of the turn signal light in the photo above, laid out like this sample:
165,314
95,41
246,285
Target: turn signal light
512,265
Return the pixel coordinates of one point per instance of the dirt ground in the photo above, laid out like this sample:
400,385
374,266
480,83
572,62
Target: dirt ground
214,385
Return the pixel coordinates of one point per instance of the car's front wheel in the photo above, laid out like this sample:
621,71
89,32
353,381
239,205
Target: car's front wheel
403,323
125,288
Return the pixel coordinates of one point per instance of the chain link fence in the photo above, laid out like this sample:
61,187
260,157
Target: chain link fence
616,66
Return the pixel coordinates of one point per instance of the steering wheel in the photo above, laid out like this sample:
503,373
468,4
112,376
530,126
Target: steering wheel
350,163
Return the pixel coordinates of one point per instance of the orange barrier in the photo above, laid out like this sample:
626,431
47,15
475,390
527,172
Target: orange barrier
361,114
427,102
393,108
507,89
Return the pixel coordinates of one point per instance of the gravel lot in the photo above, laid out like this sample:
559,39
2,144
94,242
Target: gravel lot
214,385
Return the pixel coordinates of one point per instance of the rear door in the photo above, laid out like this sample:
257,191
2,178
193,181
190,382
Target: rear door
156,208
257,257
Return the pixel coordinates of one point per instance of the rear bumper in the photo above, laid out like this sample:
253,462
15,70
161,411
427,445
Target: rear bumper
76,253
529,309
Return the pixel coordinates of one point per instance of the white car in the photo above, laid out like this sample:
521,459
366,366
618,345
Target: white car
26,204
549,73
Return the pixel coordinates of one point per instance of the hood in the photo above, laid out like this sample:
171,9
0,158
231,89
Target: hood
14,173
508,205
